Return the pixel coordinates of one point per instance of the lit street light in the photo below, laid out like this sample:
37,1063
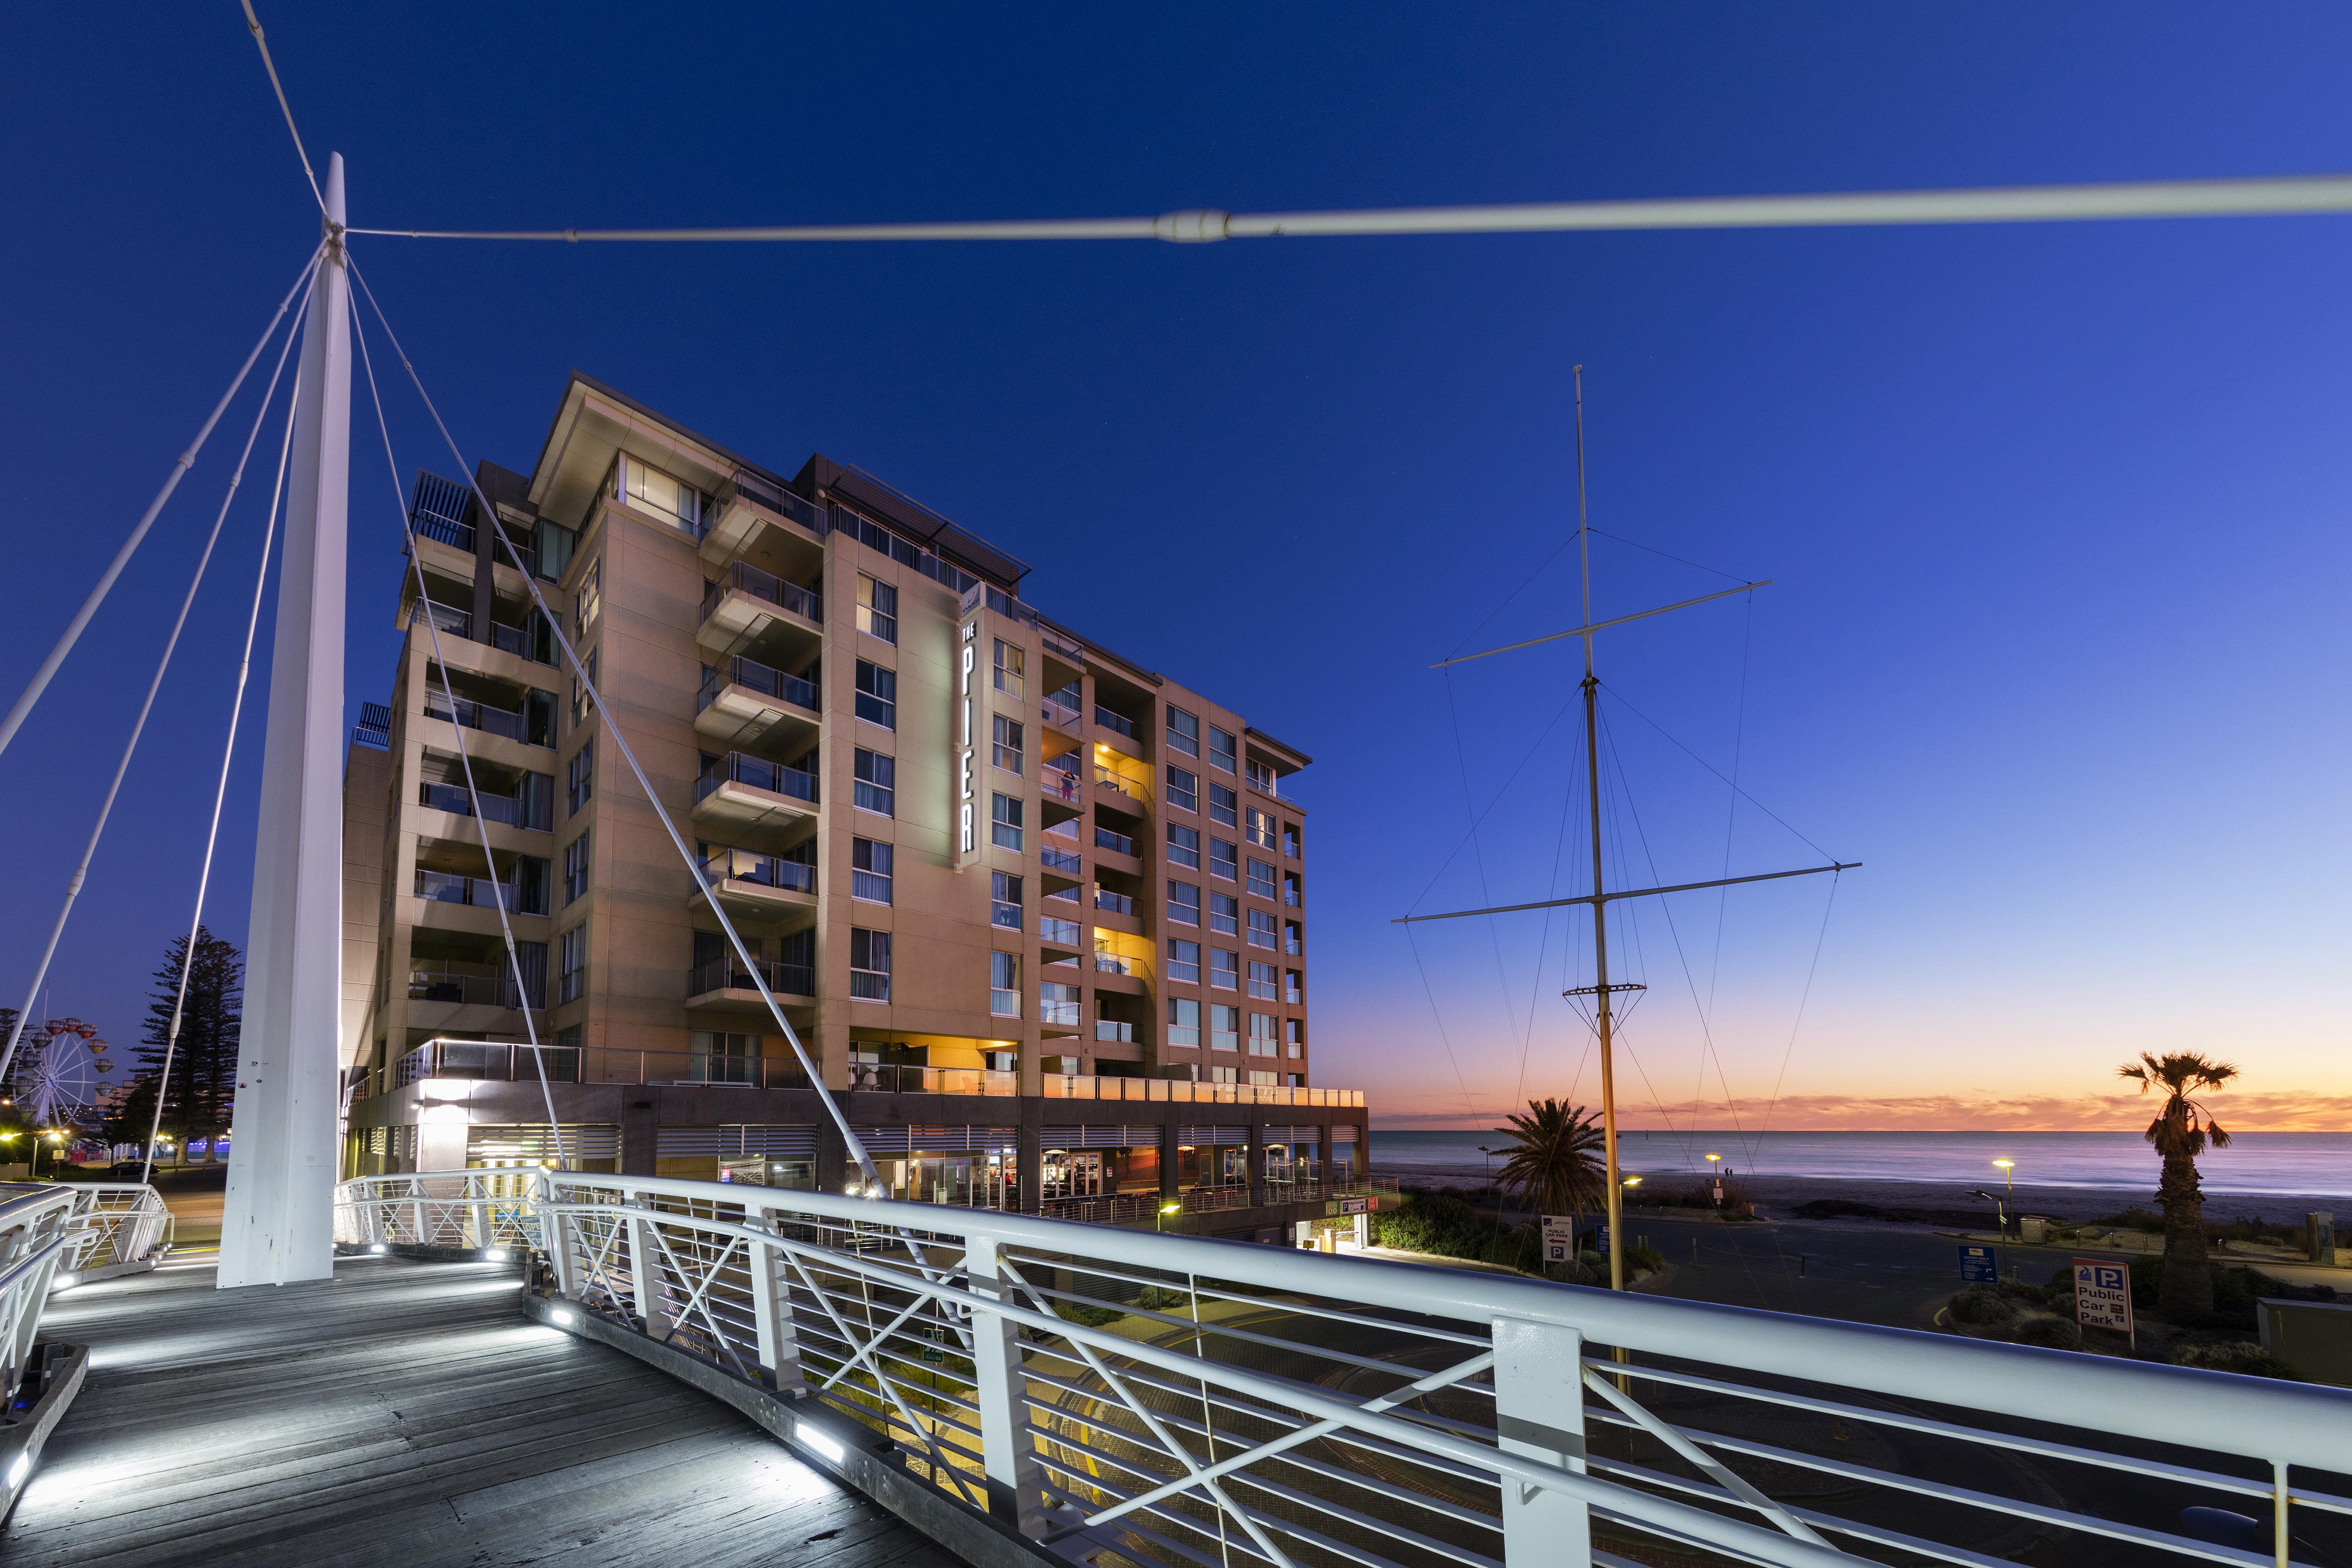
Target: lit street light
1159,1220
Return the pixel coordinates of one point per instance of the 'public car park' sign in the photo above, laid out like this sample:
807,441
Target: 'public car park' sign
1558,1239
2103,1294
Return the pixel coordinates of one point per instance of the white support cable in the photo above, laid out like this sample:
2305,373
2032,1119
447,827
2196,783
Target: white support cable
465,758
253,25
41,678
228,754
139,726
856,1145
2255,196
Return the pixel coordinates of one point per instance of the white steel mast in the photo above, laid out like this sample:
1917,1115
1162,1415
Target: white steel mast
277,1222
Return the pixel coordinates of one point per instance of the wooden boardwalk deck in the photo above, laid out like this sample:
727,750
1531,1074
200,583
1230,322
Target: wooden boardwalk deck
405,1412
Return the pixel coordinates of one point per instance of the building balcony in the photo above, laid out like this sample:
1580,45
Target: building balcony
463,988
1056,861
1055,932
1061,786
745,603
1062,714
1114,1032
1177,1091
887,1078
778,893
477,892
1115,724
510,723
741,700
495,1060
746,506
749,794
1127,796
722,982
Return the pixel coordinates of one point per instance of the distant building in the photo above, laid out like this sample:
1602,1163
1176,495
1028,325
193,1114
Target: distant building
1042,928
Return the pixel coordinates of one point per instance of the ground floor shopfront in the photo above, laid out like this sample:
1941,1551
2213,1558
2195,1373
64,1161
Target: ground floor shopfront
1218,1169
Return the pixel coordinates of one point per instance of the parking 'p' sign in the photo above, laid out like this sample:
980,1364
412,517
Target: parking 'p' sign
2103,1294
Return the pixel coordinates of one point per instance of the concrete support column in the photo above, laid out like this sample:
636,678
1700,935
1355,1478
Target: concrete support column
277,1216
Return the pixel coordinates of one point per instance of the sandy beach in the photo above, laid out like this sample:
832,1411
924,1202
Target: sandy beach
1777,1196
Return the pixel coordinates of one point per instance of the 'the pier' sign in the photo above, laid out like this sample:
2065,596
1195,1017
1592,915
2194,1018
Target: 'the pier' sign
967,653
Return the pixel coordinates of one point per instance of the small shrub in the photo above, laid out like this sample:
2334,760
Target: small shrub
1982,1306
1089,1317
2050,1334
1592,1260
2019,1291
2242,1356
1644,1255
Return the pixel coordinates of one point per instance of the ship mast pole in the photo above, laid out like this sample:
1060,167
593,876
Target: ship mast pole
1600,1012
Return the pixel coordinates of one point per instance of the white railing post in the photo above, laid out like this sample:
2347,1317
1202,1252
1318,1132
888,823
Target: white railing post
771,1312
415,1212
645,1267
1008,1447
1539,1413
555,1237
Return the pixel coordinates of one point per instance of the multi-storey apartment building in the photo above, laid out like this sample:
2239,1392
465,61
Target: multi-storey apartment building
1037,912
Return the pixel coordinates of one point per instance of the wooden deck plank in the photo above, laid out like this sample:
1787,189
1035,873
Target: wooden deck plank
405,1412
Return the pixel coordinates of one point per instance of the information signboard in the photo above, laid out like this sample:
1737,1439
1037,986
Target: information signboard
1977,1264
1355,1205
2103,1294
1558,1239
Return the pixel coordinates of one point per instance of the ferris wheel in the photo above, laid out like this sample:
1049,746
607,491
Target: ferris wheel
62,1065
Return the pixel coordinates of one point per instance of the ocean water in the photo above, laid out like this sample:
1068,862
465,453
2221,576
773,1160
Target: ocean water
2253,1163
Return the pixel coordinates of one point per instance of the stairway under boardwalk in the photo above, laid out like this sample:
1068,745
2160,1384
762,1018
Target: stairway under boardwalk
405,1412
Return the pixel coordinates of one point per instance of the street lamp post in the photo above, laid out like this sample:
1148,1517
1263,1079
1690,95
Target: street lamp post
1159,1220
2009,1200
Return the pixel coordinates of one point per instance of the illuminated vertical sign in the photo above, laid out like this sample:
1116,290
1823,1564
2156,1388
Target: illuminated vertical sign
966,654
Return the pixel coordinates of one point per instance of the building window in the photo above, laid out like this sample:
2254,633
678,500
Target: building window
1261,929
1293,1038
724,1057
869,870
1262,1080
1290,841
590,602
1184,790
1262,981
1184,962
1183,846
1184,903
1224,1026
1057,1003
1225,914
878,609
1261,777
1261,1034
877,695
1222,751
869,965
1294,938
876,780
583,705
1004,821
1004,900
1261,879
1259,829
1012,664
1224,969
1294,987
1224,804
1224,858
571,964
664,496
1223,1075
1183,732
1004,985
1183,1022
575,868
1004,749
580,779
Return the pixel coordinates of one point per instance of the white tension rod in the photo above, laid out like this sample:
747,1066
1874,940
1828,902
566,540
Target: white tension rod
2271,196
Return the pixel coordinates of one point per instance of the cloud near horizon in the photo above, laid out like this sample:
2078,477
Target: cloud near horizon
2269,1113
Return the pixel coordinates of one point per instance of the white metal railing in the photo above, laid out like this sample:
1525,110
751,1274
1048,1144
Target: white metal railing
51,1232
116,1223
1186,1401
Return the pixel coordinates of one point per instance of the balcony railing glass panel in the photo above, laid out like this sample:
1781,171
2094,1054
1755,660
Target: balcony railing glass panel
477,715
760,774
453,798
471,991
727,973
769,871
743,578
753,676
1118,844
1112,722
1063,933
1117,903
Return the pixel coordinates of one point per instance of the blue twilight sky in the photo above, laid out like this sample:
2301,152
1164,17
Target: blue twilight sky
2055,515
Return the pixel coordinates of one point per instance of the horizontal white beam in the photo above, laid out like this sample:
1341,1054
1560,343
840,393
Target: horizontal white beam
2259,196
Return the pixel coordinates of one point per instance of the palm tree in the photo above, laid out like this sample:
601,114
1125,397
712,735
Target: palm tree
1556,1162
2181,1131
